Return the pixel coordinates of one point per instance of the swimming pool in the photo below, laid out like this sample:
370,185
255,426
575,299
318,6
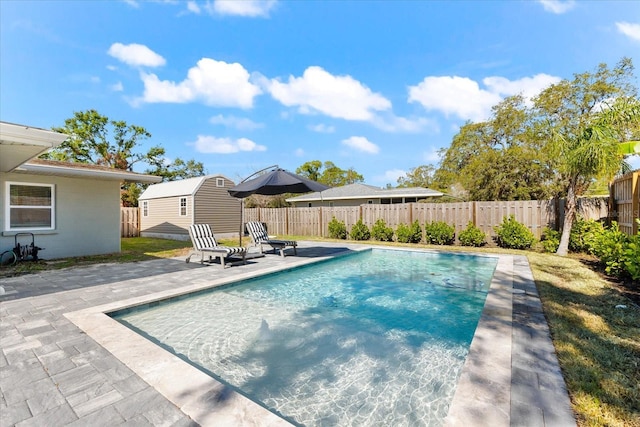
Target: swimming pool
377,337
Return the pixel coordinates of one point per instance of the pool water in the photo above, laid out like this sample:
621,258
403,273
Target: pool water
373,338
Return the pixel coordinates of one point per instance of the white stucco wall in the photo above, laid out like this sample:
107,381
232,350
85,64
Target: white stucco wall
87,216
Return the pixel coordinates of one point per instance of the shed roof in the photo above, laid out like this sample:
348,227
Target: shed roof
182,187
364,191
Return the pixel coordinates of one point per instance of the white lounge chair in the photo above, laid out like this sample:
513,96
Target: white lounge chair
204,243
259,236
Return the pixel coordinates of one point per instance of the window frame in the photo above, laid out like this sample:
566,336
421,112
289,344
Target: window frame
145,208
219,182
181,206
9,207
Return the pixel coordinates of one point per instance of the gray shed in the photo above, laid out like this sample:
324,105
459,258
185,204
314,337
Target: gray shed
169,208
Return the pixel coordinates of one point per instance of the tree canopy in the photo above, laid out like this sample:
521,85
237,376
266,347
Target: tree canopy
95,139
575,134
421,176
328,173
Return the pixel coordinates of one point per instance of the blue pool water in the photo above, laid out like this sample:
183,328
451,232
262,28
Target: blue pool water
373,338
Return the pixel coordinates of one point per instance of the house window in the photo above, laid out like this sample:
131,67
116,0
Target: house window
309,204
30,206
369,202
183,206
145,208
219,182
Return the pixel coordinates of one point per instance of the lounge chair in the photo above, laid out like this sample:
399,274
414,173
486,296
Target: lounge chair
259,235
204,243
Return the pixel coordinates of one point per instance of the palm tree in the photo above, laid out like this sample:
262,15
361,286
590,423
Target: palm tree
595,151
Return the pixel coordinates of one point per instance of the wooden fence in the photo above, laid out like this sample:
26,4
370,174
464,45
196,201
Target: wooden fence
535,214
129,222
625,202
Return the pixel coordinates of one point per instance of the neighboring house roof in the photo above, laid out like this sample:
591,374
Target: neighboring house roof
364,191
19,143
183,187
83,170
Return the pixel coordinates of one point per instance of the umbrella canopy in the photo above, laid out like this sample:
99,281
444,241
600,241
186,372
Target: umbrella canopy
277,181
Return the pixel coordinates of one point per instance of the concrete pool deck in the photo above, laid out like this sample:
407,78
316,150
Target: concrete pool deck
64,362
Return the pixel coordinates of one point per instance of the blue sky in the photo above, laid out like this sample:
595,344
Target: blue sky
379,86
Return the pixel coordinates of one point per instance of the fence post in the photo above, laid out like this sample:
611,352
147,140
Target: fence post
474,214
635,202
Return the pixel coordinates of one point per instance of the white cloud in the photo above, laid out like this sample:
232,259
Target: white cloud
361,143
390,176
557,6
215,83
132,3
193,7
464,98
401,124
112,67
527,86
431,156
299,152
455,95
630,30
117,87
318,91
210,144
322,128
248,8
136,55
240,123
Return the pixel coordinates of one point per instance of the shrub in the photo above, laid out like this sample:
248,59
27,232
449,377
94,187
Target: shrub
631,256
439,233
609,248
380,231
337,229
360,231
472,236
585,235
550,240
409,233
513,235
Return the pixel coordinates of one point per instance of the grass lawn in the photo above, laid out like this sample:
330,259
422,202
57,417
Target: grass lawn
594,327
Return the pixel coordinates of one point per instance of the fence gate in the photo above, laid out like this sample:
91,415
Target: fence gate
625,202
129,222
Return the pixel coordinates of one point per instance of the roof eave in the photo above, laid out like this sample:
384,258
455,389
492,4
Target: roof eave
115,175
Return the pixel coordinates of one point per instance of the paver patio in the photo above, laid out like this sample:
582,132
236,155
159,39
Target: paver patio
52,373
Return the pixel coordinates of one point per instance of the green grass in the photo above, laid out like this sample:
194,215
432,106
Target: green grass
598,344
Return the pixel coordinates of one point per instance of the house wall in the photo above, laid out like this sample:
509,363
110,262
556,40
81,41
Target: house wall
337,203
210,204
87,217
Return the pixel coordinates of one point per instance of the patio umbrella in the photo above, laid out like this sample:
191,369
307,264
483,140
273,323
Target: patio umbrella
276,181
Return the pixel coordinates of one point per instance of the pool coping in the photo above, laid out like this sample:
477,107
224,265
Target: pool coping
483,395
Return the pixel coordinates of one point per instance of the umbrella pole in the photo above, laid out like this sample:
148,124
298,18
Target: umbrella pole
241,222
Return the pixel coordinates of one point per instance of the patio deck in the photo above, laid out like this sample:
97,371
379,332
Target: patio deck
55,373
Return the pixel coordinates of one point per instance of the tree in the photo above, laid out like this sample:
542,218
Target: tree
328,173
584,129
421,176
94,139
499,159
